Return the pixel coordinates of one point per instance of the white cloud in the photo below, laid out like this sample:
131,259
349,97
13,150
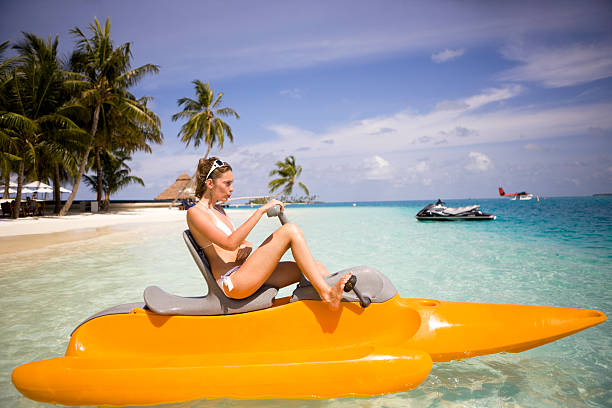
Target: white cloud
416,173
159,170
464,126
266,40
421,167
295,93
377,168
559,66
451,105
493,95
478,162
447,55
460,131
533,147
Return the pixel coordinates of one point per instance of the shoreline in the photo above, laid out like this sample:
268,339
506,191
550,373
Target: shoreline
83,221
37,233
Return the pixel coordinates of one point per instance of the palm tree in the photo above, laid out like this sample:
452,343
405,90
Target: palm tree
35,93
57,158
203,124
288,172
107,76
8,138
115,175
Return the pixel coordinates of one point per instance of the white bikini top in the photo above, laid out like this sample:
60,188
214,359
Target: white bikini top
221,225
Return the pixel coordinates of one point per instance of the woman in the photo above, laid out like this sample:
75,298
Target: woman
238,272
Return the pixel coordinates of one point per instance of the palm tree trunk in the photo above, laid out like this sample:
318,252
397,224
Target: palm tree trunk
94,128
99,174
7,185
56,189
17,206
207,152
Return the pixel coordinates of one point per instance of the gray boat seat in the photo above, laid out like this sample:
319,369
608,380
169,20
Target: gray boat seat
214,303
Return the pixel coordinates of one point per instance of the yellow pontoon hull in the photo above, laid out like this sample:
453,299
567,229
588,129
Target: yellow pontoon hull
291,350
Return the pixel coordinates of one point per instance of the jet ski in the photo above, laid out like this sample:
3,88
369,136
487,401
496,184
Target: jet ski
440,212
170,349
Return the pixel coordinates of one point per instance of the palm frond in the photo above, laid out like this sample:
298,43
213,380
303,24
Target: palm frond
303,186
18,122
227,112
275,184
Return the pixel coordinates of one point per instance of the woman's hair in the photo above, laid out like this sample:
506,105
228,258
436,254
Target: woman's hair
204,166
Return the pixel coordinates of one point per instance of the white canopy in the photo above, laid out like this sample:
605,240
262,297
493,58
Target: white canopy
38,184
35,187
24,190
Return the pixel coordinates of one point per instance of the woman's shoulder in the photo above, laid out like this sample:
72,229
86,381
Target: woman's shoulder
220,208
199,214
195,213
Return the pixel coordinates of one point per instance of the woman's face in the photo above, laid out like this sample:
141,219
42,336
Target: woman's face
223,186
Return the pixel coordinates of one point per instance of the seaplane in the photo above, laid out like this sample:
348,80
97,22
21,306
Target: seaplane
520,196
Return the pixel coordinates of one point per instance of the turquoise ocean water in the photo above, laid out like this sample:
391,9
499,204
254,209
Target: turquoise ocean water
557,252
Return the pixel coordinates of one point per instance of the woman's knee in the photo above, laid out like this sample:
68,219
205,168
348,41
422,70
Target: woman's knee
291,230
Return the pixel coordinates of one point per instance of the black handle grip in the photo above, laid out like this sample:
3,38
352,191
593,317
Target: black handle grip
364,301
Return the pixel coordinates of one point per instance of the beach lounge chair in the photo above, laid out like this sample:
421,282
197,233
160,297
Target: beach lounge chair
6,209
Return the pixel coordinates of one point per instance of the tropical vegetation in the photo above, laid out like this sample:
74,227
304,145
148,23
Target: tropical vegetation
115,174
287,172
59,118
203,113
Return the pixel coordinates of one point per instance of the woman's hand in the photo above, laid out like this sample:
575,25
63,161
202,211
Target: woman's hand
271,204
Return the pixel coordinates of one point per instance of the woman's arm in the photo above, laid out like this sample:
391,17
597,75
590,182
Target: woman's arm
206,226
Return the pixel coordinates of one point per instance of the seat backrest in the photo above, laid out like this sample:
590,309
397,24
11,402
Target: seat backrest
200,259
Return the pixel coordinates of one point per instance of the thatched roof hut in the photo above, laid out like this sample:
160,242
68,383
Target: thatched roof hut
182,189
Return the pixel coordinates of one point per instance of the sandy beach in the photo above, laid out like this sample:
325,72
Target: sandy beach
26,234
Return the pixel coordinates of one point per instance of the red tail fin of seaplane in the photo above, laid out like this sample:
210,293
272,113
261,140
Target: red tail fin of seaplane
501,191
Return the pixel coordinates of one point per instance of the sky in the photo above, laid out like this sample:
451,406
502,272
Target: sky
385,100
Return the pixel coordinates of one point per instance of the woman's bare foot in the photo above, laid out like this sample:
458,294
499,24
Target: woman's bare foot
334,296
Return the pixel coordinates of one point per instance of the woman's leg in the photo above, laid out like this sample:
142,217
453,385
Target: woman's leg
288,273
262,263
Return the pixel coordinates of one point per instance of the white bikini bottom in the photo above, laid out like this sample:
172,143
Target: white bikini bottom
227,280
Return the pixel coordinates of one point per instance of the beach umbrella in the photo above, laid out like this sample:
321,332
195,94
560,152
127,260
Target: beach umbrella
37,184
65,190
44,191
24,190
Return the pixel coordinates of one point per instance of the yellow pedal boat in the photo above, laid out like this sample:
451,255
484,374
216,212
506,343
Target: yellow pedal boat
170,349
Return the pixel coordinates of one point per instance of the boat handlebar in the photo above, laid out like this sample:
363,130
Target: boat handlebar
276,212
364,301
